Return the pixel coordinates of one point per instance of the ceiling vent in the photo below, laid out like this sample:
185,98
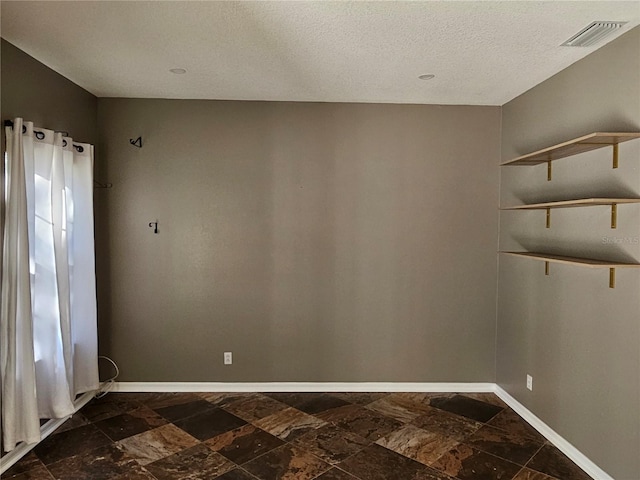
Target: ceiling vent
592,34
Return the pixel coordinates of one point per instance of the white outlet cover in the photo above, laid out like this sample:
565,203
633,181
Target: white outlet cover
529,382
228,358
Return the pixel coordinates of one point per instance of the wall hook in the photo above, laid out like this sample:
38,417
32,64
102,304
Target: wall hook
154,225
137,142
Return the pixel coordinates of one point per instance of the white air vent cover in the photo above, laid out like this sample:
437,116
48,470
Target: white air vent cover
593,33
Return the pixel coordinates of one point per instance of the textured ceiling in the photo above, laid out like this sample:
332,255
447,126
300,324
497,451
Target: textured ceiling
482,52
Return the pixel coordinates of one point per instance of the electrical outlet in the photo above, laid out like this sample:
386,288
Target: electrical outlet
530,382
228,358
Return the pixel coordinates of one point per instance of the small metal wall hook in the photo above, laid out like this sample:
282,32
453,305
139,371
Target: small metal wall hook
154,225
137,142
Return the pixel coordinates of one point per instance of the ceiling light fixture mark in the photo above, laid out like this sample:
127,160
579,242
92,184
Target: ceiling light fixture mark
426,76
178,71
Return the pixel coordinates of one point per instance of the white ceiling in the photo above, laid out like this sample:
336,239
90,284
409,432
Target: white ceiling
482,52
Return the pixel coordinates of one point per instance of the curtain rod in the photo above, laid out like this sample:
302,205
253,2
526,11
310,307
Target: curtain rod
9,123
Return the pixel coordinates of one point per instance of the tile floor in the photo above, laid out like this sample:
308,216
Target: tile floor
301,436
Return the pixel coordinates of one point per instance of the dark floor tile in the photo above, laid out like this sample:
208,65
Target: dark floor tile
553,462
132,423
77,420
162,400
360,398
184,410
336,474
29,462
320,403
147,447
361,421
39,473
236,474
72,442
221,399
136,473
244,443
109,406
526,474
195,463
254,407
378,463
510,421
290,398
448,424
466,463
467,407
100,464
287,462
331,443
510,446
486,397
289,424
210,423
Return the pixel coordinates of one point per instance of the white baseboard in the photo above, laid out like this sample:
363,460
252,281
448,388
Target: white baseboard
563,445
300,387
47,429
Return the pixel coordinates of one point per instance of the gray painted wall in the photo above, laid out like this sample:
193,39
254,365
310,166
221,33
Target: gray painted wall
318,242
34,92
579,339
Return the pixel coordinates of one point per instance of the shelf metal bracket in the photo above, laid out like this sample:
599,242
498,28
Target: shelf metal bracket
549,170
615,155
548,217
612,278
614,215
546,268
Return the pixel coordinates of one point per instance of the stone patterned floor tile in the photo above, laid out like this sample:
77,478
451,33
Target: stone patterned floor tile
396,408
254,407
184,410
331,443
446,424
244,443
510,421
220,399
195,463
109,406
527,474
360,398
38,473
466,463
162,400
208,424
553,462
467,407
336,474
510,446
29,462
76,420
378,463
287,462
319,403
102,463
361,421
131,423
289,424
417,444
155,444
72,442
486,397
237,474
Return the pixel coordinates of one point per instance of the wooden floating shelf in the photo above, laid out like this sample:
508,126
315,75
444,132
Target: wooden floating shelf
581,202
578,145
582,262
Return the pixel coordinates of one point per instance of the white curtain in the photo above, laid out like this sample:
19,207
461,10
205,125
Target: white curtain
48,323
